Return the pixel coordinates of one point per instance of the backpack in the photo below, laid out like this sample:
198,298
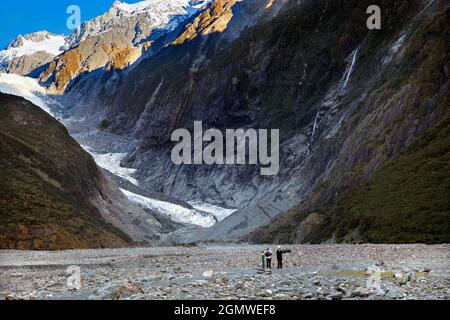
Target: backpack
268,254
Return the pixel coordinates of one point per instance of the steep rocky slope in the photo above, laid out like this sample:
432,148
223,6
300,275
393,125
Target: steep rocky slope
405,201
53,196
46,182
404,121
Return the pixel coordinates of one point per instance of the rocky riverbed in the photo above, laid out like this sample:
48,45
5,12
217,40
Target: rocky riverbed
229,272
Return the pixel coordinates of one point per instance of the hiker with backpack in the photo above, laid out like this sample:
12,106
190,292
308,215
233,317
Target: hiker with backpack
268,254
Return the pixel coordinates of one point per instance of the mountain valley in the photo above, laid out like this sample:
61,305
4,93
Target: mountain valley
363,118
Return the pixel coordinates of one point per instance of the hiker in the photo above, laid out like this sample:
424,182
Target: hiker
280,257
263,259
279,253
268,255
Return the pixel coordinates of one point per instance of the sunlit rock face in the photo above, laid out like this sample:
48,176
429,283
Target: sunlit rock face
116,39
214,19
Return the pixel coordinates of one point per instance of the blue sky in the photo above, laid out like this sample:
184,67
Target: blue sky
25,16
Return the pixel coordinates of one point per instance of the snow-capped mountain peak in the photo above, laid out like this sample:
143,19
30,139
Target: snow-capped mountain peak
39,38
157,14
149,5
32,43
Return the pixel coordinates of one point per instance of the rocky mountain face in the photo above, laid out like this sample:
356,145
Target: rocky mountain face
53,195
346,99
383,175
134,99
405,200
116,39
215,19
30,53
113,40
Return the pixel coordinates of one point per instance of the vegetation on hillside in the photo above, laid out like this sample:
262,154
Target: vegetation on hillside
46,182
406,201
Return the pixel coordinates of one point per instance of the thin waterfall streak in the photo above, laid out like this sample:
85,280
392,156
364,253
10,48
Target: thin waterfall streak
351,67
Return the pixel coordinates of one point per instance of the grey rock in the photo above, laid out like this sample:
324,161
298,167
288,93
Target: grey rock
361,292
395,293
341,289
336,295
116,290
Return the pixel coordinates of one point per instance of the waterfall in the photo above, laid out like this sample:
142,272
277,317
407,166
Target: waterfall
315,124
426,7
350,71
308,145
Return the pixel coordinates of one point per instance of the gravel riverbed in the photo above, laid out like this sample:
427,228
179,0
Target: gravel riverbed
229,272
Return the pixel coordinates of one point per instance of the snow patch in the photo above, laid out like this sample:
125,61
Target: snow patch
25,87
218,212
111,162
175,212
